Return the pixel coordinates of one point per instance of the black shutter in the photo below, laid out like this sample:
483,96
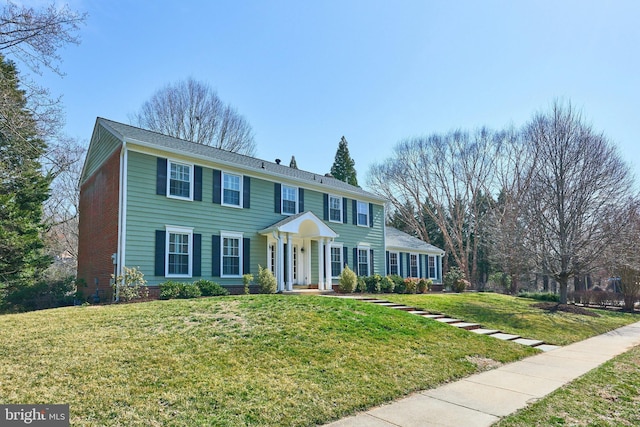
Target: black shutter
197,183
355,212
246,192
408,265
161,236
372,270
325,207
300,200
277,198
246,251
420,261
355,260
161,177
345,254
388,271
344,210
215,257
370,214
400,264
217,186
197,255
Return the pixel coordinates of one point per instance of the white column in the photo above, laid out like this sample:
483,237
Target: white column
327,262
320,264
280,263
307,262
289,273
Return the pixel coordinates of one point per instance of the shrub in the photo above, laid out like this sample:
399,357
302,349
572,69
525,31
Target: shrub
373,283
130,285
411,285
387,285
361,285
399,285
348,280
454,280
246,281
540,296
45,294
424,285
169,290
210,289
189,290
501,281
266,281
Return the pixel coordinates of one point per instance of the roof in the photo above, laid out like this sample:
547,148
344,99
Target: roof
176,145
401,240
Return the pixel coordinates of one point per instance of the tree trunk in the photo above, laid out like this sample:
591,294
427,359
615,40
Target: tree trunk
563,281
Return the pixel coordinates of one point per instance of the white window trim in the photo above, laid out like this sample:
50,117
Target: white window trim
240,177
296,192
333,273
191,180
358,202
367,249
413,254
172,229
341,208
397,254
435,266
232,235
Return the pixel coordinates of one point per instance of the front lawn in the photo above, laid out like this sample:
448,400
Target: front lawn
606,396
231,361
516,316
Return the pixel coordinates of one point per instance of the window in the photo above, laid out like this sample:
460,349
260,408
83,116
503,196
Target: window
272,258
363,262
178,254
363,214
413,264
336,260
432,267
289,200
231,189
393,263
335,209
231,254
180,182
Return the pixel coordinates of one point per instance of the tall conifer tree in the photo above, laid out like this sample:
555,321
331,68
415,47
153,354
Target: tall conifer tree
344,166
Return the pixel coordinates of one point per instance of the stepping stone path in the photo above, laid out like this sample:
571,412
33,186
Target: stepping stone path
471,327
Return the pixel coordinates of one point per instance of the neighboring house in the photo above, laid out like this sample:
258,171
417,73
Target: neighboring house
409,256
183,211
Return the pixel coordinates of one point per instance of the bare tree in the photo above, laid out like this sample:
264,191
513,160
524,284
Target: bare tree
578,181
193,111
449,178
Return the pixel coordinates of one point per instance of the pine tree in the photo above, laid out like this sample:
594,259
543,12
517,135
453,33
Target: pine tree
292,163
23,187
343,166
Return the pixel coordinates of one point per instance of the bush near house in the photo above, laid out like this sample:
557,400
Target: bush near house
42,295
348,281
211,289
266,281
171,289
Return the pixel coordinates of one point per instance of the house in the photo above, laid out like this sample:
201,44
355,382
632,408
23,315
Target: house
179,210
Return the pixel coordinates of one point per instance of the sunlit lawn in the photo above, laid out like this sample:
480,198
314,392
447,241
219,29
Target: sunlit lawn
515,315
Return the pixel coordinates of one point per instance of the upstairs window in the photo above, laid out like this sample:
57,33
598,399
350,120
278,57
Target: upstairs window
231,189
363,214
335,209
289,200
180,180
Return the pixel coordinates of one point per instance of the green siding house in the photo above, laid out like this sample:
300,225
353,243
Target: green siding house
179,210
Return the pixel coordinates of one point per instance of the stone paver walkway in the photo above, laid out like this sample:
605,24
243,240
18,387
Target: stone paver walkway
482,399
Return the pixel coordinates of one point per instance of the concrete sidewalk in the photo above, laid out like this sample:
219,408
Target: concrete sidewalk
482,399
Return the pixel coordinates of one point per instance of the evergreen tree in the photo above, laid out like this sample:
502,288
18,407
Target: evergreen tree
292,163
23,187
343,166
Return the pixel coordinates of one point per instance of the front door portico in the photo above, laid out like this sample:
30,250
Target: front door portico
291,243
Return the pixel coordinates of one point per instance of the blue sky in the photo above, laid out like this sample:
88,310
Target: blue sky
306,73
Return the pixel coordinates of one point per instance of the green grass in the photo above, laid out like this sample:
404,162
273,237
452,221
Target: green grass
231,361
516,316
606,396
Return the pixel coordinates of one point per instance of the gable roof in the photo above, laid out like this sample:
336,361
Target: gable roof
148,138
397,239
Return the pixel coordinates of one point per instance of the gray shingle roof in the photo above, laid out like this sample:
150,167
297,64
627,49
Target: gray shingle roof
134,134
400,239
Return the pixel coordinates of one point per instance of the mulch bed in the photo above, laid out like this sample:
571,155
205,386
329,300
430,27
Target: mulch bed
553,307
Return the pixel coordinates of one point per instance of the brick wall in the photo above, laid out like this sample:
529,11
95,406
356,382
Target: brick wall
98,228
